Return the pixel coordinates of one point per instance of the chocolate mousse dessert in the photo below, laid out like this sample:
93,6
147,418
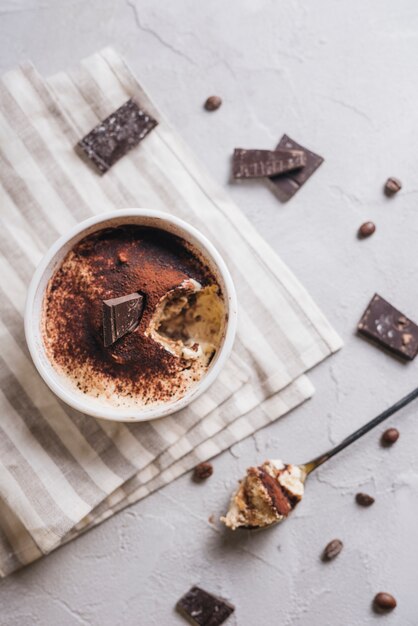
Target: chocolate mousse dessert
133,316
265,496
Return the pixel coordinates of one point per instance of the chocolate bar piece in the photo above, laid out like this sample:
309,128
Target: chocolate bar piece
286,185
389,328
203,609
121,316
116,135
259,163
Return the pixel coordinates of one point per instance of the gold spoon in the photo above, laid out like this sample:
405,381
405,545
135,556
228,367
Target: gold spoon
308,468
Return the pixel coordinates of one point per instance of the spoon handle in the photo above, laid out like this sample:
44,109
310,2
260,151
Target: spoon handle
309,467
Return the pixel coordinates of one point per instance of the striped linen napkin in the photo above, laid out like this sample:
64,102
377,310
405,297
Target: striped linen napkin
62,472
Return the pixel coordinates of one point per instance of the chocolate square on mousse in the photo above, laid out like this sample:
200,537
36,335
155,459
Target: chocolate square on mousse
116,135
121,316
390,328
204,609
287,184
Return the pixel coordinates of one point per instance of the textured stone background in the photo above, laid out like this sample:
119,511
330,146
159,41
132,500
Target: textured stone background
341,78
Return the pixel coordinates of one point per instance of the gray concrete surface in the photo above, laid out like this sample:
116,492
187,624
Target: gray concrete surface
340,77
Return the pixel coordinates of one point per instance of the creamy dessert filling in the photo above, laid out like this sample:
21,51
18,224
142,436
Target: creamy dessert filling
120,361
188,321
265,496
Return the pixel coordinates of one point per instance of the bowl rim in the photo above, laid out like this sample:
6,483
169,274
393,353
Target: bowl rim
129,414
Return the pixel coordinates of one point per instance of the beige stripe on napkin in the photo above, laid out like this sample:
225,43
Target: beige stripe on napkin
62,472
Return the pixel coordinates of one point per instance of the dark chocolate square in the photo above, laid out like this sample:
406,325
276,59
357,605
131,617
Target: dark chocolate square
116,135
286,185
204,609
121,316
390,328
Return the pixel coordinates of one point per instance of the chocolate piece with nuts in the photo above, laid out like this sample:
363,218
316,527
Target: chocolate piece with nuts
262,163
204,609
390,328
202,471
392,186
332,550
121,316
286,185
116,135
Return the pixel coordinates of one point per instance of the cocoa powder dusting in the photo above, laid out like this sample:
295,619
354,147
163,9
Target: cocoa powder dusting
108,264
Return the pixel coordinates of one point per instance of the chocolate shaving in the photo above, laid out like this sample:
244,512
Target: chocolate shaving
116,135
121,316
204,609
261,163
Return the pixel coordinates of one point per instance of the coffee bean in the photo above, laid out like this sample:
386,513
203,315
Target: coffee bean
392,186
363,499
366,229
213,103
203,471
390,436
384,602
332,550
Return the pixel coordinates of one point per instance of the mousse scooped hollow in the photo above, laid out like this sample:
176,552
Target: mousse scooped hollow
188,321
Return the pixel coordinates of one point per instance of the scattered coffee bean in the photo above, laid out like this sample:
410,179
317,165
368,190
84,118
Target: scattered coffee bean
384,602
213,103
332,550
366,229
390,436
363,499
203,471
392,186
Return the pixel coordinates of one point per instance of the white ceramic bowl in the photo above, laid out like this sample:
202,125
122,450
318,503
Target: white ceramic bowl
59,383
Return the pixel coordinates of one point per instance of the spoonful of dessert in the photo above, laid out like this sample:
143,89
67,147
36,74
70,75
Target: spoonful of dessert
269,492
